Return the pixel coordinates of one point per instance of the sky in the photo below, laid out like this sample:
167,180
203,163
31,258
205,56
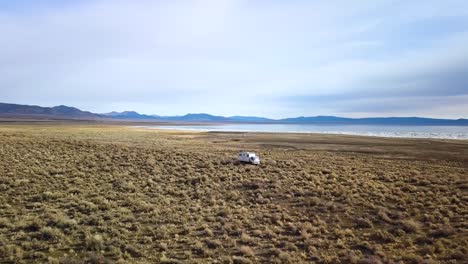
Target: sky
238,57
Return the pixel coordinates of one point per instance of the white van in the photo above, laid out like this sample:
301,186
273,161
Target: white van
248,157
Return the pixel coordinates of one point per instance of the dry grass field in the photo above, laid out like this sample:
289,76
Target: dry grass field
107,194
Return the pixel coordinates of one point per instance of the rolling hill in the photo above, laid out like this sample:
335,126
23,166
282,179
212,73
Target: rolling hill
34,111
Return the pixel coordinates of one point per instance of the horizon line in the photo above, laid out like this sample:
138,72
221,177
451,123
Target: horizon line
231,116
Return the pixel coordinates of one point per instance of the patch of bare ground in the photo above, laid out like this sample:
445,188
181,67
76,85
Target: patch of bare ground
106,194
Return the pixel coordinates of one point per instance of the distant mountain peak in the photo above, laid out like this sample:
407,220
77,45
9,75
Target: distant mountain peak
130,113
60,111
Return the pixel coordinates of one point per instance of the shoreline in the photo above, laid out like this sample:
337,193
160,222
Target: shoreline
173,128
182,128
383,147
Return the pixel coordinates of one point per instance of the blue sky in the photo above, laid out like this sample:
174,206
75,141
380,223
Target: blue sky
238,57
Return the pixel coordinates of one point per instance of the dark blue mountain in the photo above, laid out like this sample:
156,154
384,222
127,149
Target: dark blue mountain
253,119
66,112
196,117
315,119
34,111
130,115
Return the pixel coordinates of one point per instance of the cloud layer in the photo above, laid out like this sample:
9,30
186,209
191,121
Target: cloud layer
230,57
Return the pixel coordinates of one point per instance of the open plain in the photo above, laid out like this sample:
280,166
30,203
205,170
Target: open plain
90,193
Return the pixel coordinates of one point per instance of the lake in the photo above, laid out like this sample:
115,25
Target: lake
442,132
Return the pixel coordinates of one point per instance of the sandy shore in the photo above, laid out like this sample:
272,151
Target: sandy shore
390,147
107,192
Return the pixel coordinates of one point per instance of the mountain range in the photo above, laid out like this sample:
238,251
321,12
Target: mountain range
34,111
66,112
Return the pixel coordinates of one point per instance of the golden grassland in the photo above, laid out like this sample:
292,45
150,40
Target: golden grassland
106,194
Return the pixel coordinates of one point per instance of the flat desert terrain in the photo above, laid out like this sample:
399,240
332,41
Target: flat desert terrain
90,193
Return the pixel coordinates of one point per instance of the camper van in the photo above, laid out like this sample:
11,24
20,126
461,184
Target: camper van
249,157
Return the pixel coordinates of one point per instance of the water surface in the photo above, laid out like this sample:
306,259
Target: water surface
443,132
